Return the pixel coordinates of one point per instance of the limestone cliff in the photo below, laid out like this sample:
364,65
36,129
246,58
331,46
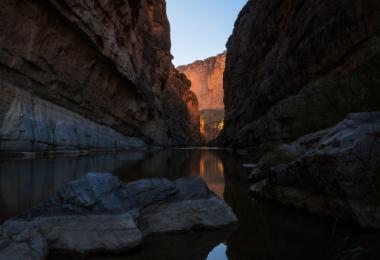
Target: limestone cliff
107,62
206,78
294,67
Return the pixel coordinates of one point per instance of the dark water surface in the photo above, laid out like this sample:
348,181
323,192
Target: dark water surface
267,230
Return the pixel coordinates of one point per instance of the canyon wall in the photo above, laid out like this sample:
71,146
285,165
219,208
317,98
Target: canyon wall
107,62
294,67
206,78
302,95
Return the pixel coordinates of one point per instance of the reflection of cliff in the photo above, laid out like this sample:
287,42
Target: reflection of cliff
211,169
175,164
24,183
271,231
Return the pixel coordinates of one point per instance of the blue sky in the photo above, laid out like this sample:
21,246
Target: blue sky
200,28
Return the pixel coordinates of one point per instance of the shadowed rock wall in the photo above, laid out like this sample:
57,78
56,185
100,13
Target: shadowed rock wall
108,61
294,67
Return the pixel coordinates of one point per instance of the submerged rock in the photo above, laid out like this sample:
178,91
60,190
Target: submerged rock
98,213
336,171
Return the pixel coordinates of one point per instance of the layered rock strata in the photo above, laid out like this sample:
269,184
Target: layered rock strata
98,213
108,62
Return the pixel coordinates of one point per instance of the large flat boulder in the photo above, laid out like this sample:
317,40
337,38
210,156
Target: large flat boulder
178,216
98,213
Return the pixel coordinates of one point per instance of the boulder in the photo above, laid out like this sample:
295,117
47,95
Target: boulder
336,171
83,234
99,213
178,216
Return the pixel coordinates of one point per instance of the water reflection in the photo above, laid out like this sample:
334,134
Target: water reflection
173,164
267,230
24,183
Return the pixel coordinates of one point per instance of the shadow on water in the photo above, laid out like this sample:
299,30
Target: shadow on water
267,230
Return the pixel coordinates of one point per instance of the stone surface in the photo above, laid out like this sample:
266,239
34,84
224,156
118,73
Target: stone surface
28,245
83,234
98,213
109,63
212,123
178,216
333,172
34,124
206,78
182,110
295,67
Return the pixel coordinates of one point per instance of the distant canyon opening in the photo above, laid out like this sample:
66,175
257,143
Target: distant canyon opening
206,78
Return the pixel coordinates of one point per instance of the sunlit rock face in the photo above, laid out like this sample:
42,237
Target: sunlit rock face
182,110
107,61
206,78
296,67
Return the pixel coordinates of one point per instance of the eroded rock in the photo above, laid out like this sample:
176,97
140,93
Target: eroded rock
293,68
206,78
99,213
178,216
87,75
336,172
83,234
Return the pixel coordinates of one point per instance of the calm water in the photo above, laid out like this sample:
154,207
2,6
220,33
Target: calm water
267,230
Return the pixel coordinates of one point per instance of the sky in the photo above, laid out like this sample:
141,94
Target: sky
200,28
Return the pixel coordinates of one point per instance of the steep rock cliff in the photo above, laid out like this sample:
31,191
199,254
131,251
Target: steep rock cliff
106,61
182,110
294,67
206,78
